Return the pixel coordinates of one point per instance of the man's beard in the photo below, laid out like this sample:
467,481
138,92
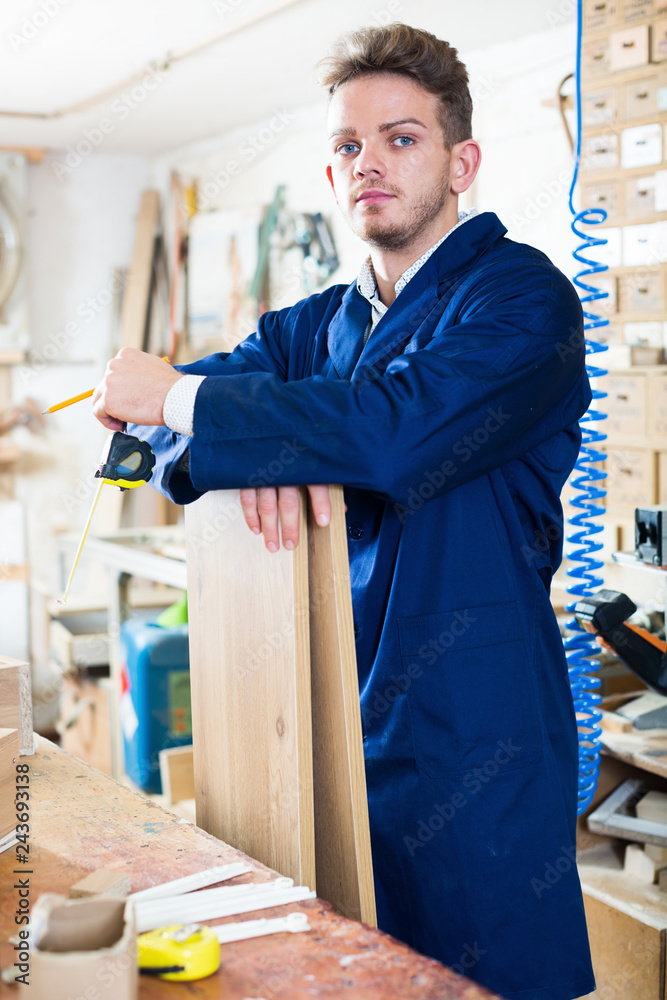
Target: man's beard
399,236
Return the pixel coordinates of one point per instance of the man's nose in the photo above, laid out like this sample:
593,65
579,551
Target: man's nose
369,163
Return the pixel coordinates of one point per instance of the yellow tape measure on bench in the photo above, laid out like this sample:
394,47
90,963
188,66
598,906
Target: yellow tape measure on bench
190,951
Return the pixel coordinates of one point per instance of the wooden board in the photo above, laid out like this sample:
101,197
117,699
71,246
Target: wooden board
645,749
9,752
16,700
177,773
627,925
134,316
250,686
344,867
82,820
101,883
84,715
627,954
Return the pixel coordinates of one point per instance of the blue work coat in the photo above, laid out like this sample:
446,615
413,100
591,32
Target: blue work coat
453,431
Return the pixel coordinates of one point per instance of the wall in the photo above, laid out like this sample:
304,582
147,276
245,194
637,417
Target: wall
80,228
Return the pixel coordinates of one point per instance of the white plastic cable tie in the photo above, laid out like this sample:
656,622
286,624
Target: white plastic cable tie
8,842
189,883
205,896
178,912
220,892
200,901
240,931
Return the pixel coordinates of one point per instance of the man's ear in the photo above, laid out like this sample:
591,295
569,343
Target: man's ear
465,160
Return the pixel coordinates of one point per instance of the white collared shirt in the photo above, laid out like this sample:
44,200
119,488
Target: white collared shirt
367,285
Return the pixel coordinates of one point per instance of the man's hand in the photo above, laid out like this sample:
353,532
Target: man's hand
133,390
262,507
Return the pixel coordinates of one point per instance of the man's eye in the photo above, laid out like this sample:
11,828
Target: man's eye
403,140
347,147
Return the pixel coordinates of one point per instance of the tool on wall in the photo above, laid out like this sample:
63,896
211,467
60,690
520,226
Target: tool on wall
606,614
126,462
580,647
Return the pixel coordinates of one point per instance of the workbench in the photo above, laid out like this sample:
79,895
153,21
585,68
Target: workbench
82,820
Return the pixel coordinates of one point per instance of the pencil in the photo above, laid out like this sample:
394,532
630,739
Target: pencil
76,399
67,402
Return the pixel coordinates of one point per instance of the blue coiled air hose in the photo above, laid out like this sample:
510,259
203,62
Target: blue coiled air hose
583,563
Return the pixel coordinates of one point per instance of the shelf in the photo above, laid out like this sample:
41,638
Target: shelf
602,877
630,559
649,753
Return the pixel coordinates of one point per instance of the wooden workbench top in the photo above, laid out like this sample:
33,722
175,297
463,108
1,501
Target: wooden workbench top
82,820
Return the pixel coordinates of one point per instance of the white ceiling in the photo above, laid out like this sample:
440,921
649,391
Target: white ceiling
80,47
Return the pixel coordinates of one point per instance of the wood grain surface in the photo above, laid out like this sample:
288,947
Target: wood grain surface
9,753
137,289
343,863
16,700
83,820
250,687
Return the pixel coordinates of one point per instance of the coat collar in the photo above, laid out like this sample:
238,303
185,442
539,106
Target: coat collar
411,308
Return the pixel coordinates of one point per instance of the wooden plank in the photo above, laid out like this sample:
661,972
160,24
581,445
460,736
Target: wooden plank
9,752
344,868
102,882
250,685
16,700
84,718
627,954
177,773
648,752
627,924
134,316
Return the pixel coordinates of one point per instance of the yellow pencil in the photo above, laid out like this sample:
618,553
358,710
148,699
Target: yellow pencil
76,399
67,402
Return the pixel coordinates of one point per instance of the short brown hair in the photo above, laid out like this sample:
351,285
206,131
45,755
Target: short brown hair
413,52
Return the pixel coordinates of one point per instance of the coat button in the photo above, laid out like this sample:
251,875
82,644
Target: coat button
355,531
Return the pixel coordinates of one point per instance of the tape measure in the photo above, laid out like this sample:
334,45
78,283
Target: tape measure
126,462
179,952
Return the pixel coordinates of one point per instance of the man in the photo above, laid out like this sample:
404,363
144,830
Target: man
443,390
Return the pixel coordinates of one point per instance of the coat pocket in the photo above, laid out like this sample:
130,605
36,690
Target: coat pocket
472,698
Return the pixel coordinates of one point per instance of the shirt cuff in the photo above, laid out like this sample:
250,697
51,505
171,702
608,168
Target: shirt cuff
179,406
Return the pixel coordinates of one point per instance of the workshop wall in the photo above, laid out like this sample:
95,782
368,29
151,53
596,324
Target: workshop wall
80,229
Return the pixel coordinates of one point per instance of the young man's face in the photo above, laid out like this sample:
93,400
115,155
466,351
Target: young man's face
389,165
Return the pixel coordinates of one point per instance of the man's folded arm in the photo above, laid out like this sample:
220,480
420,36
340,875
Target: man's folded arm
502,381
265,351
